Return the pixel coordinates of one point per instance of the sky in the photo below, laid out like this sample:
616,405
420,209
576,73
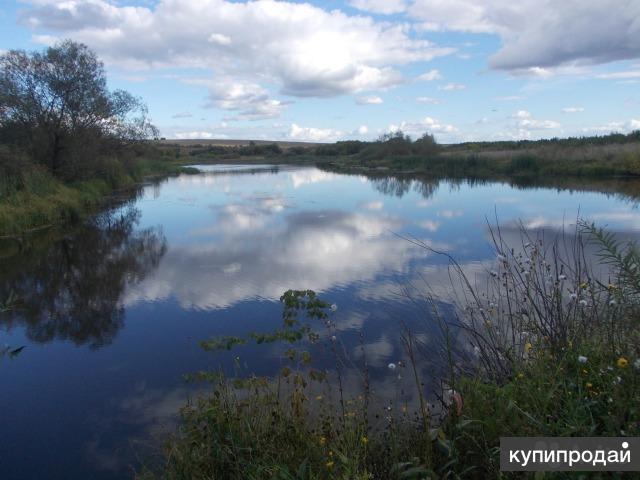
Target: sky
463,70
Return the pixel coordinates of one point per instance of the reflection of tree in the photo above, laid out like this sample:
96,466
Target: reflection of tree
72,291
401,186
392,185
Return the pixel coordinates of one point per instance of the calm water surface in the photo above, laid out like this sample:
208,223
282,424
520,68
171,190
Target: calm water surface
111,315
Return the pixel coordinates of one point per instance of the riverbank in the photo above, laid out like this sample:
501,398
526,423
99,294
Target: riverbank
31,199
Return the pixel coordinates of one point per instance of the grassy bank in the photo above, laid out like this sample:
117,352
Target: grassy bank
544,346
31,198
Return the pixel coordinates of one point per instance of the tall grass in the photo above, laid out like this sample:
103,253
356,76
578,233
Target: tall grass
546,345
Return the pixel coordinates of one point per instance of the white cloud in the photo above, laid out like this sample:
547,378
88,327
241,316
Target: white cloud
312,134
573,109
526,123
182,115
220,39
384,7
301,49
452,86
369,100
621,127
363,130
418,128
541,33
249,100
429,100
430,76
429,225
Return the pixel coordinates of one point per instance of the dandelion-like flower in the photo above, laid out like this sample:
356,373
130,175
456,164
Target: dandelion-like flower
582,359
334,307
392,366
622,362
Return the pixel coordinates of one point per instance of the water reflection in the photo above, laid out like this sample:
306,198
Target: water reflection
73,291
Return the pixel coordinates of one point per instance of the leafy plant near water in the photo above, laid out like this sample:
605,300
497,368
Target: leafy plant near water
552,351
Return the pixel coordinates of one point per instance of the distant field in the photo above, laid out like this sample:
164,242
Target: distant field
233,143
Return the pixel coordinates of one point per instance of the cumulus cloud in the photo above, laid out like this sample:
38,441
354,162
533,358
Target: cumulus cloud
452,86
312,134
418,128
250,100
526,122
621,127
572,109
430,76
363,130
384,7
429,100
541,33
301,48
369,100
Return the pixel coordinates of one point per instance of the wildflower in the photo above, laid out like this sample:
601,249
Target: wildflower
589,385
333,338
573,295
323,440
319,397
528,346
392,366
583,302
582,359
622,362
584,285
521,375
334,307
329,464
562,277
364,440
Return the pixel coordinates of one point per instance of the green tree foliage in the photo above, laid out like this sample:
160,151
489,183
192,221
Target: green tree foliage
56,106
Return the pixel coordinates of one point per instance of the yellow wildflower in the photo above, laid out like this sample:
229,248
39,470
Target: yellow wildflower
622,362
521,375
589,385
329,464
528,346
319,397
364,440
323,440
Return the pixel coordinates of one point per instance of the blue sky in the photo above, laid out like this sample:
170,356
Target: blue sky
325,71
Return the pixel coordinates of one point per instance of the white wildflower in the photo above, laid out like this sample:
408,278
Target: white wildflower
582,359
333,338
334,307
392,366
562,277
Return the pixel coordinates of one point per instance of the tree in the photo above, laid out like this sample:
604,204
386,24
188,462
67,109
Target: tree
56,105
426,145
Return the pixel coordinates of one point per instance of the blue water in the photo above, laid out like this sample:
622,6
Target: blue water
111,314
